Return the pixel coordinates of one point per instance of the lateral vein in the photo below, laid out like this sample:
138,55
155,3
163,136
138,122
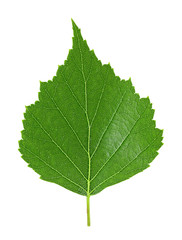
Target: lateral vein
57,145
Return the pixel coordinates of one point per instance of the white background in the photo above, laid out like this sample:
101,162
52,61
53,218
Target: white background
141,40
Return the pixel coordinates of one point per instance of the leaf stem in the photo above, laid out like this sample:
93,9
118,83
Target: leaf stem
88,210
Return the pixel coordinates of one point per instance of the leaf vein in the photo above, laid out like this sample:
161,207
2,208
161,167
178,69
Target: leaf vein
86,114
102,92
72,92
108,125
128,134
47,164
125,165
57,145
59,110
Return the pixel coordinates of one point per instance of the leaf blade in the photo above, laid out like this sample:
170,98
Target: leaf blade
88,127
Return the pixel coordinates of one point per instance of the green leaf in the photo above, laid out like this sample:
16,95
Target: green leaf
89,129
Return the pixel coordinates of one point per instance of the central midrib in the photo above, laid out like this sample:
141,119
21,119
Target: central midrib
89,128
87,118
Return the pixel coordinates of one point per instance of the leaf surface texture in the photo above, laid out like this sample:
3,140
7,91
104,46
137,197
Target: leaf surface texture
89,129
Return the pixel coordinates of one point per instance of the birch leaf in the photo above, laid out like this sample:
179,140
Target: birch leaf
89,129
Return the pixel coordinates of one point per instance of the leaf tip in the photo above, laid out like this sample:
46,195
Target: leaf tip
74,26
72,20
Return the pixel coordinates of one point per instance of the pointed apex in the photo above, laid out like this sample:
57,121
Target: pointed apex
74,26
76,33
72,21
